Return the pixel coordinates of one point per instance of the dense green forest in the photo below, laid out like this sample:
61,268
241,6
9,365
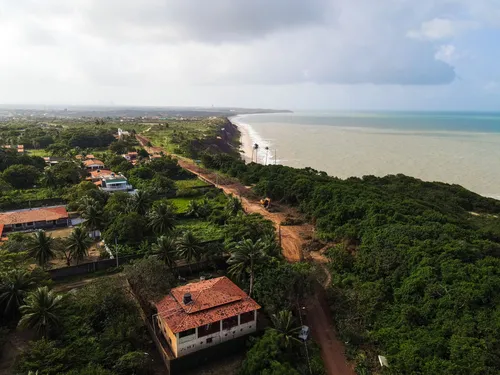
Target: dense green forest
415,265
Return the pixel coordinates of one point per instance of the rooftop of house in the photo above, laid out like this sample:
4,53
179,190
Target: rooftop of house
53,158
100,173
88,157
211,300
90,162
34,214
113,178
20,148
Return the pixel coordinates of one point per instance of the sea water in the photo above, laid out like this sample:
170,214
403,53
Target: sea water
454,147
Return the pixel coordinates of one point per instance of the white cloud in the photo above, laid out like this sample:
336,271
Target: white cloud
447,53
441,28
98,48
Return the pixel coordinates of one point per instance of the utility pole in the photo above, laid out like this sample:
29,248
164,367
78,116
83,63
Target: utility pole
274,156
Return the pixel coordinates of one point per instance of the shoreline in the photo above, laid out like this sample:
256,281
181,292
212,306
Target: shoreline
249,137
346,152
246,141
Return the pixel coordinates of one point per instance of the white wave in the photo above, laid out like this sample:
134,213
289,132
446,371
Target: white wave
256,138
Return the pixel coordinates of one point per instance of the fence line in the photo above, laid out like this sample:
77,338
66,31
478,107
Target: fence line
182,267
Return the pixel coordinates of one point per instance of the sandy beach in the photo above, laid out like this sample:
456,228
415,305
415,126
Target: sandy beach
249,137
246,142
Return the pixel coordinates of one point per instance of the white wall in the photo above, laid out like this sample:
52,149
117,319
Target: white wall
193,343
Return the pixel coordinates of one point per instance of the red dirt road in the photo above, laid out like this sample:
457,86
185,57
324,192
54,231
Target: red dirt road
292,240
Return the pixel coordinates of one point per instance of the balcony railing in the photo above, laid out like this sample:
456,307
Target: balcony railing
121,187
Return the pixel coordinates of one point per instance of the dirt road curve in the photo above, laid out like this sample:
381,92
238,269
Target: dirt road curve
292,240
292,237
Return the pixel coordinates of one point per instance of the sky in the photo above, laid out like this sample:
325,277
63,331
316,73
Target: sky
295,54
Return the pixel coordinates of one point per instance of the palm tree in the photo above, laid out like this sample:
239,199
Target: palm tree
272,247
86,201
267,152
193,208
92,214
243,259
189,247
233,206
205,208
141,201
13,290
161,219
49,179
78,244
256,148
166,250
41,311
284,324
41,247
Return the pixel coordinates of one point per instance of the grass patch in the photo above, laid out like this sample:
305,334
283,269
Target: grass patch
17,199
191,183
178,131
203,230
87,276
39,152
181,204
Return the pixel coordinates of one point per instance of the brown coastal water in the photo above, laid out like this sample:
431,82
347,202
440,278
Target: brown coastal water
468,158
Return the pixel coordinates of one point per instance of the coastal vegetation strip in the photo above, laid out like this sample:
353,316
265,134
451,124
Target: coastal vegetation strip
414,276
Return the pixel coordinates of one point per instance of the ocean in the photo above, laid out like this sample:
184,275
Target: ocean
453,147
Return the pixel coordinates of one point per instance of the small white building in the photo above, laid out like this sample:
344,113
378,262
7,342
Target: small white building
206,313
114,182
122,133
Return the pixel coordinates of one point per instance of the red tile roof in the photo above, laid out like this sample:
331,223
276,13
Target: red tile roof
36,214
100,173
213,300
88,163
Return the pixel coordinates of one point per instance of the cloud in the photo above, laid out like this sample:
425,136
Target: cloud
126,44
446,53
441,28
213,21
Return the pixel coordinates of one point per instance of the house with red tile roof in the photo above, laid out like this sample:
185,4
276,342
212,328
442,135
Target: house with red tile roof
131,157
19,148
206,313
96,175
35,218
93,164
